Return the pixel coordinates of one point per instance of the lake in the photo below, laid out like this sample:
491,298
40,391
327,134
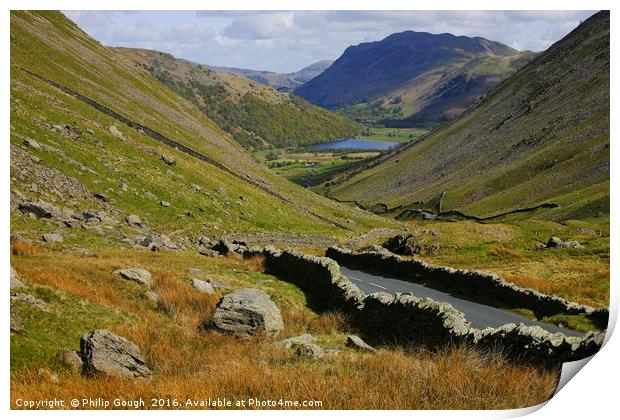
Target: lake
356,144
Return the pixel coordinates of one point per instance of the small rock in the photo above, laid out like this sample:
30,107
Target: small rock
164,203
248,312
195,187
355,342
48,375
32,143
152,296
116,132
17,324
169,160
203,286
101,197
555,242
300,339
139,275
209,252
15,281
204,240
196,272
70,358
132,219
82,251
52,237
90,131
105,353
331,352
15,238
309,351
220,284
29,300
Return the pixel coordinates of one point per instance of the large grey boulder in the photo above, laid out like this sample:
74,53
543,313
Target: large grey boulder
139,275
105,353
248,312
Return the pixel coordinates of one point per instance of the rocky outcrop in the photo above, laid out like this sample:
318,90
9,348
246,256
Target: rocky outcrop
288,343
247,312
103,352
139,275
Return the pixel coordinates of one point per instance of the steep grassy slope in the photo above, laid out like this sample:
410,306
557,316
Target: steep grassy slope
542,136
415,76
283,82
81,150
255,115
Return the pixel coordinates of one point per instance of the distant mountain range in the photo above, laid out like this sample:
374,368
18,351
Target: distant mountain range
414,76
255,115
541,136
284,82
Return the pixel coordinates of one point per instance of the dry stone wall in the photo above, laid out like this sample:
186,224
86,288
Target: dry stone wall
474,285
405,319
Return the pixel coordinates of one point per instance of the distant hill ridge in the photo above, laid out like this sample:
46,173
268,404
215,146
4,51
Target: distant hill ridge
411,74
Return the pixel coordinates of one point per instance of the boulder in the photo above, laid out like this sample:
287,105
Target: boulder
248,312
132,219
139,275
309,351
53,237
116,132
203,286
17,238
555,242
32,143
219,284
40,208
357,343
208,252
15,281
71,359
105,353
288,343
169,160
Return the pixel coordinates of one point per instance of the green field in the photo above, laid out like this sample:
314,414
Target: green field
401,135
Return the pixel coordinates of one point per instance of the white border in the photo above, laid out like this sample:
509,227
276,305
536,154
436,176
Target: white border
591,394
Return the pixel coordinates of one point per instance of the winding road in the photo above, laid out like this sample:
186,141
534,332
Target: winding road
480,316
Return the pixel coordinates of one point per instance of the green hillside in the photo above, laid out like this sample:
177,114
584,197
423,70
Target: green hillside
413,78
255,115
81,153
541,137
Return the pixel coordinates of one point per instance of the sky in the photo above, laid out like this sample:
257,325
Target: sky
286,41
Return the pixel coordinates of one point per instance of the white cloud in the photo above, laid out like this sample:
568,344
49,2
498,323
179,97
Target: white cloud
285,41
